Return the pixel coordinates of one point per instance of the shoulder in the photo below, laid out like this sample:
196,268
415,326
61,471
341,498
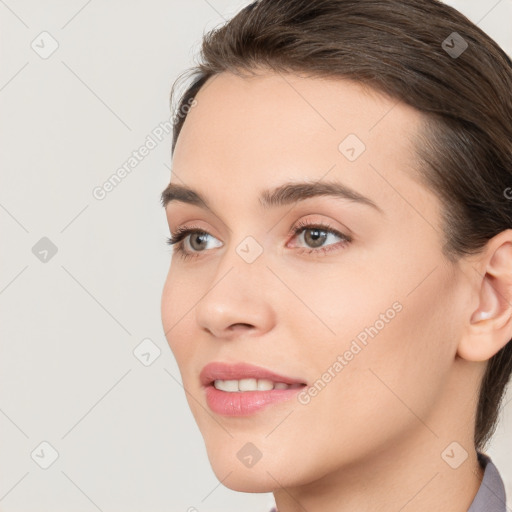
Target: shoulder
491,495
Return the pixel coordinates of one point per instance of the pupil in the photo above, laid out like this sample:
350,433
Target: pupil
317,239
197,237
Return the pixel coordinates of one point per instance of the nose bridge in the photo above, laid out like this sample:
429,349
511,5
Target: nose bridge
242,270
245,253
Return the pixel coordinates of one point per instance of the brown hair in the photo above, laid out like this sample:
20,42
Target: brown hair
400,48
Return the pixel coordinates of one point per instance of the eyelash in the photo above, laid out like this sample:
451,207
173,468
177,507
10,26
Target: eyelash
177,238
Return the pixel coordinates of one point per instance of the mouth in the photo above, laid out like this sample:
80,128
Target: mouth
243,385
237,377
242,389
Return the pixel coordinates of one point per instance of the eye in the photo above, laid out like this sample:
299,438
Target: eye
197,240
314,234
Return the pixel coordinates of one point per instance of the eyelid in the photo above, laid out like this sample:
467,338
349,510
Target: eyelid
308,223
181,232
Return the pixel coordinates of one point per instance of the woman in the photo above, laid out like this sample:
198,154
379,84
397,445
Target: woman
340,298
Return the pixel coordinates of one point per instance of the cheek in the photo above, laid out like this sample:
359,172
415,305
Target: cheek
168,306
392,350
177,312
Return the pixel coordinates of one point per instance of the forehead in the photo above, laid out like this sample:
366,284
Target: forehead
252,133
314,102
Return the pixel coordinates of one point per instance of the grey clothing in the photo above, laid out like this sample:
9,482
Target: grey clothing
491,494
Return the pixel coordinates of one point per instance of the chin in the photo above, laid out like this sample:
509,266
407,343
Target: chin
246,480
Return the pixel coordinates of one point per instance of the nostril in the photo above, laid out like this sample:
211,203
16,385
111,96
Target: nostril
239,325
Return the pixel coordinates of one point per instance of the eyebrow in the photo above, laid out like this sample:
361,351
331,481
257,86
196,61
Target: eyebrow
282,195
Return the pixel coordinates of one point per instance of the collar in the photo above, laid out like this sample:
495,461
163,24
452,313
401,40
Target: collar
491,494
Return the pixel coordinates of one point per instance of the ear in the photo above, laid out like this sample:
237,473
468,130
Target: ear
489,325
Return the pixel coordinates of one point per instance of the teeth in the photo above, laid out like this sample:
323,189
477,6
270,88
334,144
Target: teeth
247,384
263,385
226,385
232,386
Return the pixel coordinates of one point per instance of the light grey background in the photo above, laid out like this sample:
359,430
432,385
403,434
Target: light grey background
125,438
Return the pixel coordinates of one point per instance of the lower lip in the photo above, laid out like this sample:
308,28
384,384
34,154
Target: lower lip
244,403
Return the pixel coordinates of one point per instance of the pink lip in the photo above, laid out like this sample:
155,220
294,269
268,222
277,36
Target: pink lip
237,371
246,402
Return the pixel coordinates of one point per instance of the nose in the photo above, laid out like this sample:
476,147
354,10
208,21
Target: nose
237,302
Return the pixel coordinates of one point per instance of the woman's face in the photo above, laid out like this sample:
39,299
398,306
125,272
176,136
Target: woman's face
366,322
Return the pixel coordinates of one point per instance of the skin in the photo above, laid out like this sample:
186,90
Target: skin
372,439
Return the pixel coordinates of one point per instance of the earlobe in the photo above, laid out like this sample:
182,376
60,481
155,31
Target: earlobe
489,327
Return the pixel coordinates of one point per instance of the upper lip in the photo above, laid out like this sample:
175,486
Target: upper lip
237,371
